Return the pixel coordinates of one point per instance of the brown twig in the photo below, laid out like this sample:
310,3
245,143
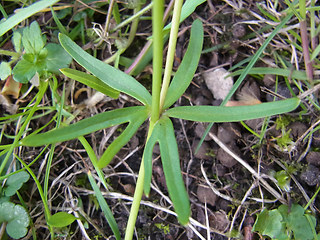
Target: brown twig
305,48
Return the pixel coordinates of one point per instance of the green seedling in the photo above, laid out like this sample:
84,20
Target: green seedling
161,128
285,223
283,180
34,58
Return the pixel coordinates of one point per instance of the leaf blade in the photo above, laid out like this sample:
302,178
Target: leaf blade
90,81
171,167
110,75
188,66
83,127
61,219
135,121
24,14
233,114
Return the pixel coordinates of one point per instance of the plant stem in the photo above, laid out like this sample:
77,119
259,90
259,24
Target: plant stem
43,198
157,34
157,26
136,203
148,45
130,19
171,50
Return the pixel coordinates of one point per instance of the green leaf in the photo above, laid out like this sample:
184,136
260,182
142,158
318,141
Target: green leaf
15,182
233,114
17,219
32,40
105,208
269,223
296,221
23,14
83,127
110,75
61,219
163,133
90,81
24,71
16,41
276,71
5,70
57,58
188,7
188,66
135,121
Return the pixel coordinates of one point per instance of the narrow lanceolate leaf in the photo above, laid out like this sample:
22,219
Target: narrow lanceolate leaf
90,81
135,121
188,66
188,7
83,127
105,208
163,133
275,71
106,73
233,114
23,14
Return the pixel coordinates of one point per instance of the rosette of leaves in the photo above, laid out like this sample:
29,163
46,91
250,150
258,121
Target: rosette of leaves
33,56
162,130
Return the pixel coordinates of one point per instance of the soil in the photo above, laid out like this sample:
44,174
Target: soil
216,182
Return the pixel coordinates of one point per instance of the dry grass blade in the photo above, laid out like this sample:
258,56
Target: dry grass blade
249,168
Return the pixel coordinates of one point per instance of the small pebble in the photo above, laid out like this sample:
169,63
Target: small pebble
218,83
313,158
225,159
311,176
219,220
206,195
239,31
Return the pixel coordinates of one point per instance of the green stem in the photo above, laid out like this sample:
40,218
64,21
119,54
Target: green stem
130,19
157,35
157,26
135,204
137,196
42,89
43,198
9,53
171,50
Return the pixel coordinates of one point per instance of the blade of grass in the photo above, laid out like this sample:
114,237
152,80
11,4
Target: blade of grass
104,206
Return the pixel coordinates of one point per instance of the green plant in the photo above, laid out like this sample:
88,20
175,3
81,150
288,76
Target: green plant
154,107
37,58
286,222
15,216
